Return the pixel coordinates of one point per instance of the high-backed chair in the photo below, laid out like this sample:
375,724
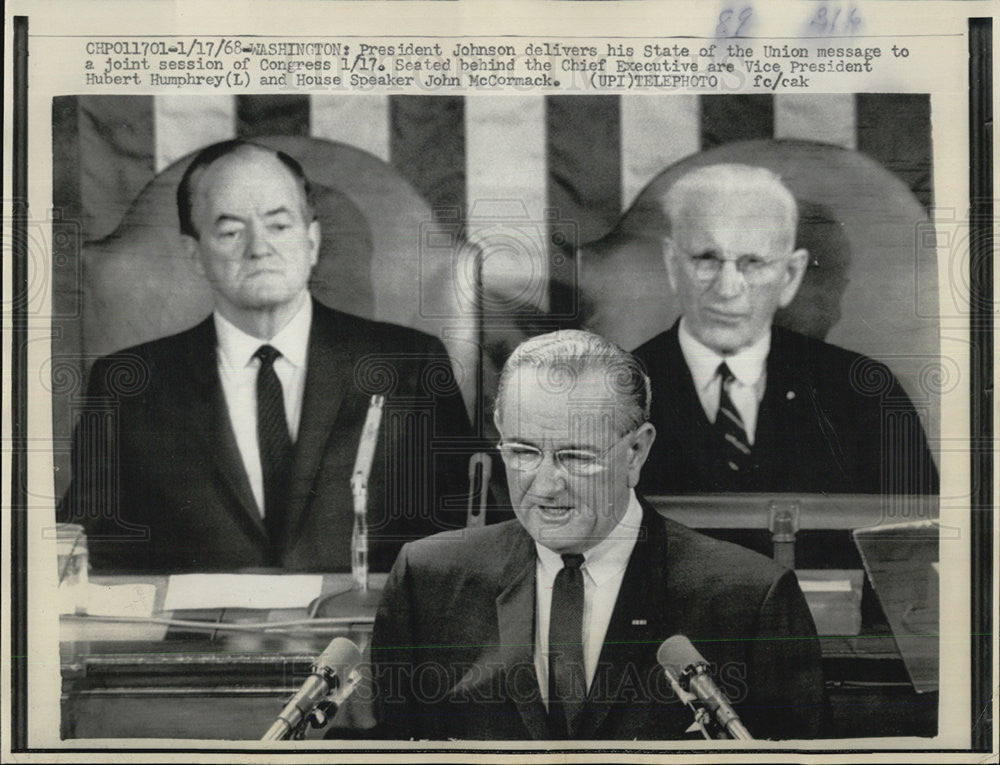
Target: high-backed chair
871,285
382,256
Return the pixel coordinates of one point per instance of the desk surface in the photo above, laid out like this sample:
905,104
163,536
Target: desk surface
844,512
152,679
212,683
340,603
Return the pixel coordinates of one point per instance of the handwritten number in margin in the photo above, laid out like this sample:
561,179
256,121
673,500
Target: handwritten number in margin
722,30
824,24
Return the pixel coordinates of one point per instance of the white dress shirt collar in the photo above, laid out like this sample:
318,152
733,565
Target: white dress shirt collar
747,365
608,557
237,348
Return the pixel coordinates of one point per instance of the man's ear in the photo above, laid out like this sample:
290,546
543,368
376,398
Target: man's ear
191,249
795,271
669,252
314,235
639,451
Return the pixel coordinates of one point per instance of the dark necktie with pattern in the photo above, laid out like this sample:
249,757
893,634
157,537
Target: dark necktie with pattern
735,447
567,675
275,446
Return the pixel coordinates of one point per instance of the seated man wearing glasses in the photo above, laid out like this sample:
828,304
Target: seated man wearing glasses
548,626
742,405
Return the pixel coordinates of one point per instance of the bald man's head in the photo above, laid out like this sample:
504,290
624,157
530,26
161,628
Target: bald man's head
188,186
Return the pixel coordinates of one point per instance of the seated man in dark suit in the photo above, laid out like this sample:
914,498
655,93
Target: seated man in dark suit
743,405
232,444
548,626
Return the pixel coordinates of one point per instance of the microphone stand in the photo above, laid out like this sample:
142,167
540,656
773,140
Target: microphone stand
359,490
359,596
702,719
480,467
726,723
359,535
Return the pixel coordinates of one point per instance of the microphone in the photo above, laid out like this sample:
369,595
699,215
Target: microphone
334,673
687,671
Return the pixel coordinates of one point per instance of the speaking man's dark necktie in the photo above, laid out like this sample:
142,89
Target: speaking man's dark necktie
567,675
735,446
275,447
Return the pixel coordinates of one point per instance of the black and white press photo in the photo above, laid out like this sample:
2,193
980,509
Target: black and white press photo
408,385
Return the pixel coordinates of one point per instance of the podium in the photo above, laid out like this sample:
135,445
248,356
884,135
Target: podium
154,681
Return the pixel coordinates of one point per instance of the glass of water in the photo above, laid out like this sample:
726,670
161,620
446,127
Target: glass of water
74,562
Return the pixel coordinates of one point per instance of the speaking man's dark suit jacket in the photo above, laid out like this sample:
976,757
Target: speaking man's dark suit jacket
452,648
160,486
831,421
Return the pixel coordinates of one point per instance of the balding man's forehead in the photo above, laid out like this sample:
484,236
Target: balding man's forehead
248,159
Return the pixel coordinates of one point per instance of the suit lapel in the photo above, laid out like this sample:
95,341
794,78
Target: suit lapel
790,414
638,622
516,622
689,444
682,395
208,419
773,420
328,367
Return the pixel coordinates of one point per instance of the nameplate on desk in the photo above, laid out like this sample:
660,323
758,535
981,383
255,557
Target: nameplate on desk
257,591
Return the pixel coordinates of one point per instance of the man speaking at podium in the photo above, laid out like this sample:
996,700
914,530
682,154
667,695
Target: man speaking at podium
237,451
548,626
